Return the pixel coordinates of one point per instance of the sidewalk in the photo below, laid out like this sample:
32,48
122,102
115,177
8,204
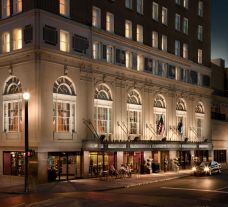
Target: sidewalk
92,184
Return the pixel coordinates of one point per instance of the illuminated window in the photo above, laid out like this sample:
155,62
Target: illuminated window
164,16
64,101
185,25
140,62
12,103
140,6
6,42
110,54
185,4
96,17
102,110
128,29
134,111
200,8
17,39
185,51
164,43
128,4
128,59
154,39
109,22
96,51
155,11
17,6
200,56
64,41
64,7
5,8
139,33
200,33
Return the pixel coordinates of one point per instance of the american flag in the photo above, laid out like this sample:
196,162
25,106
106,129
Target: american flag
160,126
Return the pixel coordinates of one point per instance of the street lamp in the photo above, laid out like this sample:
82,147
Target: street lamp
26,97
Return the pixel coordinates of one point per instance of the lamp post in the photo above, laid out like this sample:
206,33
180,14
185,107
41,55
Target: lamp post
26,97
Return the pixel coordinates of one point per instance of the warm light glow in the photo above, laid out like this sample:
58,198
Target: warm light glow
194,169
26,96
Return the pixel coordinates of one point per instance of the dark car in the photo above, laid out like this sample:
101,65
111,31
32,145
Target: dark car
207,168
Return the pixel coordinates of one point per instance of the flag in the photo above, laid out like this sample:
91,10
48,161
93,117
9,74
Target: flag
180,127
160,126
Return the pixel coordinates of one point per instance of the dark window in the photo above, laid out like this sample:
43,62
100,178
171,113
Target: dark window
148,66
193,77
104,55
171,72
28,34
206,80
134,61
220,156
50,35
80,44
120,57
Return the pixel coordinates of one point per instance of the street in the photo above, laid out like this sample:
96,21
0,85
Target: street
205,191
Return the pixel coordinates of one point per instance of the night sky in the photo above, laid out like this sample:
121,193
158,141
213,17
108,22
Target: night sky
219,29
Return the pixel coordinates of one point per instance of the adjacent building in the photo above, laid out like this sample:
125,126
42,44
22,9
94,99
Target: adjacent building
111,83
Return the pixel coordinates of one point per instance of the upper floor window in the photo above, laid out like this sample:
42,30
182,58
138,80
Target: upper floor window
154,39
128,4
200,33
5,8
164,43
12,105
128,59
139,33
185,3
177,22
155,11
64,7
177,47
200,56
200,8
185,25
164,16
178,2
64,101
17,6
96,17
17,39
109,22
185,51
140,6
6,42
140,62
128,29
96,50
64,41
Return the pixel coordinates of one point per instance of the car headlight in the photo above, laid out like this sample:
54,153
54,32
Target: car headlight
206,169
194,169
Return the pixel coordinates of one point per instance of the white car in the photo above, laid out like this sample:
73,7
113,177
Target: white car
207,168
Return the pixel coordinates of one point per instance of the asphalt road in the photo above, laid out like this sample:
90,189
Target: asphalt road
191,191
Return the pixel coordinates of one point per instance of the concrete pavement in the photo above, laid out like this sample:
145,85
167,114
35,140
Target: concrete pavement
10,185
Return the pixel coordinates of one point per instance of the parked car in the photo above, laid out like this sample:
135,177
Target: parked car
207,168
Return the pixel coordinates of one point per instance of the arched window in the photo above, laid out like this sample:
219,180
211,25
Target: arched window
103,109
181,106
199,112
64,101
199,108
12,104
181,118
134,111
160,115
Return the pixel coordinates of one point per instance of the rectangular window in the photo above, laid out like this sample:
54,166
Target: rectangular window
128,59
220,156
161,69
128,4
200,56
178,2
171,73
17,6
193,77
160,124
64,7
200,8
17,39
199,127
12,116
6,42
96,17
164,16
80,44
64,41
164,43
185,51
5,8
177,47
140,62
50,35
28,34
206,80
177,22
155,11
200,33
154,39
185,25
120,57
110,54
148,65
140,6
103,120
185,4
128,29
139,33
184,75
133,121
96,50
109,22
